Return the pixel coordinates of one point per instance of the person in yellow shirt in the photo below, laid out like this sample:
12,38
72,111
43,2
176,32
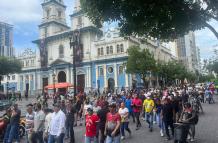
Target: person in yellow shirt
148,105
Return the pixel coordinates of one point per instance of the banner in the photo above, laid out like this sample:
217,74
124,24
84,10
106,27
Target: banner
43,53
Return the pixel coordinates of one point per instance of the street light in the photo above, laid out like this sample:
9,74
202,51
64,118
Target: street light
54,75
74,42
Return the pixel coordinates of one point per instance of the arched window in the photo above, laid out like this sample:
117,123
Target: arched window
48,13
99,52
120,70
121,48
108,50
61,51
102,51
111,49
118,48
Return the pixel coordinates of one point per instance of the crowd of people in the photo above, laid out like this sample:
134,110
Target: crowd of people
106,118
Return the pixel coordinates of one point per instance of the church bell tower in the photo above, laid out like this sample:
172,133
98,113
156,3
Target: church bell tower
54,20
78,18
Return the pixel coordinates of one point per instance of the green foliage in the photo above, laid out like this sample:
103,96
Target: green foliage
171,71
140,62
205,78
164,19
8,66
213,66
174,70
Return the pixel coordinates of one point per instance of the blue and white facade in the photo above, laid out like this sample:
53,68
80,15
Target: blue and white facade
104,54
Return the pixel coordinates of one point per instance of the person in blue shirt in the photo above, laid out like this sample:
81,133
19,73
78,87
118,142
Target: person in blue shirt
128,103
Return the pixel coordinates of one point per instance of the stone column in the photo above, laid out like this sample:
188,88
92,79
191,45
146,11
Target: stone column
96,82
115,75
126,80
105,76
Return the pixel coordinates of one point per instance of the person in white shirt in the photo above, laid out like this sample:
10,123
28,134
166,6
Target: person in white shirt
57,125
29,122
48,115
124,113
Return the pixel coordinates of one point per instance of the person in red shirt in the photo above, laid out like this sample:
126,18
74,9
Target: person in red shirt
137,106
112,126
91,126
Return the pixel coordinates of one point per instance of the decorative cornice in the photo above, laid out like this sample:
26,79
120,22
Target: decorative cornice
50,22
53,1
76,13
67,33
71,65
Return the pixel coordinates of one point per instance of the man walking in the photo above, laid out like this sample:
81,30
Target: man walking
29,122
137,105
12,132
39,119
57,125
91,126
148,107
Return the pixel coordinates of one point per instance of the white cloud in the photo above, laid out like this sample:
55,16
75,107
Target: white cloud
20,11
206,40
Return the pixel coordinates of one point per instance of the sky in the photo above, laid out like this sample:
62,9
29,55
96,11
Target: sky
25,16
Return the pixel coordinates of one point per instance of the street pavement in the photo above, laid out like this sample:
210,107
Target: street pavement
206,129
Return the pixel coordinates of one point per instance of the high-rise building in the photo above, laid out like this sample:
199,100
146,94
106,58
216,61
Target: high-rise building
6,40
188,51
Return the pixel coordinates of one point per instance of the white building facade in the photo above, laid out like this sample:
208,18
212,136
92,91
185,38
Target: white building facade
102,54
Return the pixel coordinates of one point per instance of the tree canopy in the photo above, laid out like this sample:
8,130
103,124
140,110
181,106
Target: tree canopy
140,61
163,19
173,70
8,66
213,66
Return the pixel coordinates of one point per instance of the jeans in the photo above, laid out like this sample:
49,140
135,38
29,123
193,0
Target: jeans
192,130
115,139
28,137
133,117
53,138
155,116
37,137
67,132
125,126
90,139
101,128
12,133
137,115
159,121
149,119
168,124
72,138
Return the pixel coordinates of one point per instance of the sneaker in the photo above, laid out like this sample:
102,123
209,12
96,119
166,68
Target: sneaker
192,140
154,122
130,134
137,128
150,129
122,138
161,133
168,138
189,137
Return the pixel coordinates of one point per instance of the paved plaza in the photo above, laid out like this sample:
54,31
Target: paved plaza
206,130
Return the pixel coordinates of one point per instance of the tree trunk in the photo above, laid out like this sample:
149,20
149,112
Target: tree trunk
211,29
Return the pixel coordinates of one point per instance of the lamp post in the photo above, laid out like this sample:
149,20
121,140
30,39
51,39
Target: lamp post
74,43
53,76
7,89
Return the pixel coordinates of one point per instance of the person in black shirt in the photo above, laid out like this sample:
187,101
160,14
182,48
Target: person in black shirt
13,127
102,114
79,109
168,116
70,111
